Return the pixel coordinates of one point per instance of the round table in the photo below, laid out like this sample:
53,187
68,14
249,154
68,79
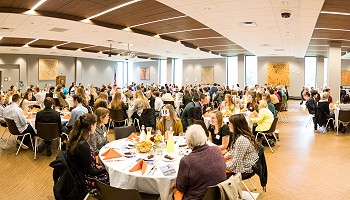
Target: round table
152,181
32,122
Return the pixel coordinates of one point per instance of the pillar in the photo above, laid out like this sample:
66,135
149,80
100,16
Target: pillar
334,69
320,72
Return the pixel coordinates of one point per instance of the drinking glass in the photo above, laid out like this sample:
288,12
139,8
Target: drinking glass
149,130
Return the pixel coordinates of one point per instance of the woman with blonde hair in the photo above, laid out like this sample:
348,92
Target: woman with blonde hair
228,104
170,120
219,132
140,103
263,119
118,104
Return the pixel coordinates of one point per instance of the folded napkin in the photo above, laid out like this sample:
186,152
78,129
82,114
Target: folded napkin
177,194
67,116
30,116
140,165
111,153
133,136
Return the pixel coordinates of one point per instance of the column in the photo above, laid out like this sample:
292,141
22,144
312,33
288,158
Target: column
78,71
334,69
170,75
320,72
241,71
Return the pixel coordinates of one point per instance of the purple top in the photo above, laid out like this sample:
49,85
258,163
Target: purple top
205,166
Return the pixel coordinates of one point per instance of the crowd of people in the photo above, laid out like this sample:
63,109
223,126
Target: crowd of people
85,132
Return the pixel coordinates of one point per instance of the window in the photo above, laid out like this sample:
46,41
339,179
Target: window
251,70
120,75
130,72
325,72
310,71
231,71
177,73
163,71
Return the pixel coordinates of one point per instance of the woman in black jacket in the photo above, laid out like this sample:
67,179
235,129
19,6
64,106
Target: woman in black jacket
80,154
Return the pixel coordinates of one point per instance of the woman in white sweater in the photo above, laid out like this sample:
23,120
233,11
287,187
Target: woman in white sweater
27,101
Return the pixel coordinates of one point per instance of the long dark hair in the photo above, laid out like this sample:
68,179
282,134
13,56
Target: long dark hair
81,131
25,97
241,128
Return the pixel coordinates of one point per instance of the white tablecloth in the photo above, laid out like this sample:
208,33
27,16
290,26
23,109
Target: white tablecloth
70,102
32,122
156,183
177,104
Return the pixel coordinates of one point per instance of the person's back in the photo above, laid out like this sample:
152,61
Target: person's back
205,167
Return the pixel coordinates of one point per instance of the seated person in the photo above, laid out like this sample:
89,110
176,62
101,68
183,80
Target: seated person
323,113
203,167
2,107
263,119
195,109
158,103
311,105
273,97
167,97
140,103
50,92
78,110
219,132
61,97
344,106
228,104
27,101
118,104
49,115
13,90
99,137
244,148
250,103
101,101
39,96
270,106
186,98
15,113
170,120
150,98
80,155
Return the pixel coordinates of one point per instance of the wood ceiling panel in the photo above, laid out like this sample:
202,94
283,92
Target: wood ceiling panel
138,13
317,48
80,8
73,46
25,4
336,6
6,41
46,43
333,21
210,42
328,34
96,49
319,42
194,34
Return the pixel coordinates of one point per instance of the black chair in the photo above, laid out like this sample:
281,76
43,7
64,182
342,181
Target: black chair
272,131
116,116
148,118
343,117
278,108
170,102
46,131
3,124
201,122
106,192
213,193
123,132
15,132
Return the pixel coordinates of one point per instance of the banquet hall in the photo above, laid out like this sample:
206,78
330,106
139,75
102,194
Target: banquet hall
78,57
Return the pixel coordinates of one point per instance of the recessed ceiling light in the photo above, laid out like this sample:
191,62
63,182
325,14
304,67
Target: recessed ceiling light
196,29
26,45
284,2
62,44
248,24
203,38
334,13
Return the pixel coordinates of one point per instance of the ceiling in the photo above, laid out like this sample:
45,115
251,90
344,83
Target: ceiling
187,29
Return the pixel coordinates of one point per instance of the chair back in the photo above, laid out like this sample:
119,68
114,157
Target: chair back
123,132
278,106
273,125
189,122
47,131
12,127
148,118
106,192
116,115
213,193
169,102
201,122
344,115
57,102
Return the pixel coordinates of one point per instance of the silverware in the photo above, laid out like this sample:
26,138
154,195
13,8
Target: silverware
151,170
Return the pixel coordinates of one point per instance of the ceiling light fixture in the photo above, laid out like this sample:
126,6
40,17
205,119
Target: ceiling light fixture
114,8
223,45
334,13
88,47
196,29
62,44
37,5
202,38
248,24
207,9
332,29
26,45
284,2
160,20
